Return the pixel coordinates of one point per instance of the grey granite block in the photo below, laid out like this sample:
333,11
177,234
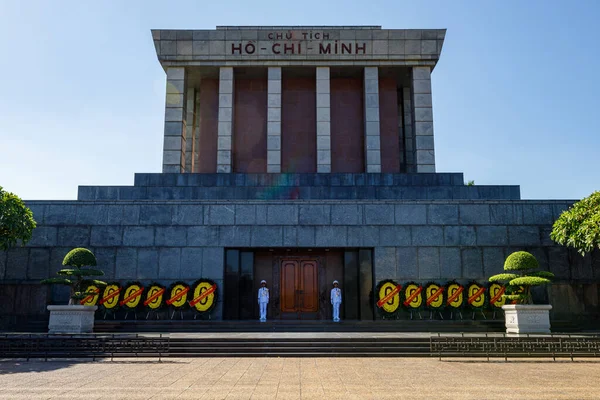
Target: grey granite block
379,214
290,236
558,258
37,210
169,263
43,236
314,215
203,236
39,264
452,235
155,215
126,264
427,236
439,214
147,264
92,215
429,262
474,214
57,255
385,262
306,236
411,214
524,235
450,263
506,214
581,267
407,263
172,236
191,263
63,214
188,215
71,236
493,261
394,236
467,236
106,236
365,236
221,215
267,236
213,262
105,260
472,263
245,214
235,236
331,236
138,236
130,215
558,209
492,235
282,215
537,214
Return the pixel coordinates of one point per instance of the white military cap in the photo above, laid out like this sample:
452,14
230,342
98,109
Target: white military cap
263,281
334,282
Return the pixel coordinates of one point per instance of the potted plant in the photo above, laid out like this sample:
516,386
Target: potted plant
75,318
522,316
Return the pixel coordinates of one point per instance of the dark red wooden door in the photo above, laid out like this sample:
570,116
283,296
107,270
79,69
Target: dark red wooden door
299,286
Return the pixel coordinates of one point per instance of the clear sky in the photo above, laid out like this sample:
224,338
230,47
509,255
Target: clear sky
516,94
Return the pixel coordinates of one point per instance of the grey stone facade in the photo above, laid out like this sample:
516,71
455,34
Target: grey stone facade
411,240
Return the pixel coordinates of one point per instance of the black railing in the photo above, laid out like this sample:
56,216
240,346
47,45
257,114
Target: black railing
32,345
517,346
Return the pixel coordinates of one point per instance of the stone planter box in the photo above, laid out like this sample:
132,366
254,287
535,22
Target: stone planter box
527,318
71,319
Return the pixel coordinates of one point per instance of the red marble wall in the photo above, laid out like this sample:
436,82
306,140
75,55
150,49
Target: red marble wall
388,125
209,118
347,125
298,125
250,125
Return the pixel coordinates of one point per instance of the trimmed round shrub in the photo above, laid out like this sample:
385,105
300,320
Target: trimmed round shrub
520,260
79,257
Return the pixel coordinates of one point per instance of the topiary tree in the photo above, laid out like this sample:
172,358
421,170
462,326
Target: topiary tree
75,277
520,277
16,221
579,226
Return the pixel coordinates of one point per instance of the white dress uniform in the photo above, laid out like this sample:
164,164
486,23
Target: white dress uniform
336,300
263,300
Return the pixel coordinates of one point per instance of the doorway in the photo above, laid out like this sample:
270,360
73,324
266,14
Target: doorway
299,288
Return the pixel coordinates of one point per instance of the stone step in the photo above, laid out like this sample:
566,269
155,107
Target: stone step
300,179
161,193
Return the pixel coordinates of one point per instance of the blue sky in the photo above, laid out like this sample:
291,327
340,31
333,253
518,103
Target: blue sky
516,91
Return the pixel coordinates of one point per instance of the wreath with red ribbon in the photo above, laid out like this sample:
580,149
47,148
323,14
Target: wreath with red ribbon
412,296
203,295
435,296
178,295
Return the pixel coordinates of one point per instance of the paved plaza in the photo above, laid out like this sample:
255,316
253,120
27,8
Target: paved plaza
300,378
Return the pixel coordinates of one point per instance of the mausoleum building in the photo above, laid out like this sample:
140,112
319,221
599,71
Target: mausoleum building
298,155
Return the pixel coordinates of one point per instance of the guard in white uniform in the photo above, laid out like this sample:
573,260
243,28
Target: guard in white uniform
336,300
263,300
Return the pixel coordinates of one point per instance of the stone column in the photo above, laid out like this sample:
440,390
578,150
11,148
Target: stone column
371,113
175,121
323,121
190,137
423,127
409,140
274,121
196,147
225,127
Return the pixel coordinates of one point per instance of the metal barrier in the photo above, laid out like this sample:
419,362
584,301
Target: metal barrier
32,345
520,345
